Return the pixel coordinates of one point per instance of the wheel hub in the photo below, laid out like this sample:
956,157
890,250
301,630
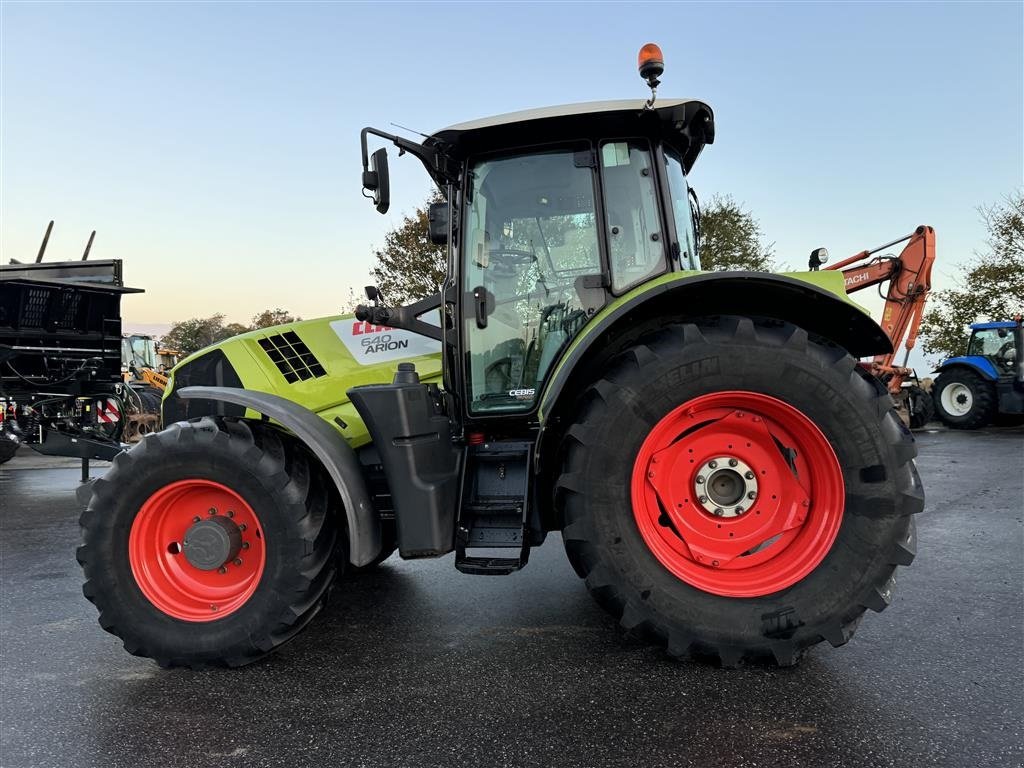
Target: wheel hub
197,550
210,543
725,486
957,399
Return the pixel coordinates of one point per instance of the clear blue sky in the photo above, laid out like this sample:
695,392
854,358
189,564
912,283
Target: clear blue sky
215,146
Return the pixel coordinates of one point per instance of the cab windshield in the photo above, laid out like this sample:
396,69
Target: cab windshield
531,232
138,351
681,208
993,342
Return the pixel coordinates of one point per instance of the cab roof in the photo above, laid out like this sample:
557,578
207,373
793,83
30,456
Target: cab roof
686,124
990,326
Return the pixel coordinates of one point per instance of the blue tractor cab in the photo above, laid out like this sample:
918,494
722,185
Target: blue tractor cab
972,389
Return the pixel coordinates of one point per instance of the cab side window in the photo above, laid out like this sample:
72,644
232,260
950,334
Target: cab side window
636,240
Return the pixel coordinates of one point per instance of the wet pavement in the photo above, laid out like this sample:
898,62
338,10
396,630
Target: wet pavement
418,665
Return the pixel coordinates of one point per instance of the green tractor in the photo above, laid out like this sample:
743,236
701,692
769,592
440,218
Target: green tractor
727,479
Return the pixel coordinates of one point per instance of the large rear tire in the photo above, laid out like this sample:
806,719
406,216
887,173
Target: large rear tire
963,399
920,406
808,519
210,543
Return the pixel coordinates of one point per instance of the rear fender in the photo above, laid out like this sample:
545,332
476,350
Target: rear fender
329,447
814,301
976,363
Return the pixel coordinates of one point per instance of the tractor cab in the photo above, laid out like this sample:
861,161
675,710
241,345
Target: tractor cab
998,343
550,215
138,352
549,234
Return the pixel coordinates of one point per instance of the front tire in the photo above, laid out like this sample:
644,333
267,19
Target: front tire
802,537
210,543
963,399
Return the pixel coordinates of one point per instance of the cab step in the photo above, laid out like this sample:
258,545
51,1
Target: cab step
493,512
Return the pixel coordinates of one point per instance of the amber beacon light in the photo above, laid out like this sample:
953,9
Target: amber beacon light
651,63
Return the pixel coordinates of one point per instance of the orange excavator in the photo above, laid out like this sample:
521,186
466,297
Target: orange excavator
910,280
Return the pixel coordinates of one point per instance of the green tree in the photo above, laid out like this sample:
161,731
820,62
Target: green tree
409,266
233,329
193,334
988,287
269,317
730,238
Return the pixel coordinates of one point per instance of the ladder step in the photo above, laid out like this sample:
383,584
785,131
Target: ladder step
490,566
493,509
513,508
507,536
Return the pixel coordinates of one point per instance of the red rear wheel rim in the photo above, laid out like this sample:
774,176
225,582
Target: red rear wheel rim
738,494
167,578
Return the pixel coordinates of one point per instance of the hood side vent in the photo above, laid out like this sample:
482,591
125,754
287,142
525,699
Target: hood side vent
292,357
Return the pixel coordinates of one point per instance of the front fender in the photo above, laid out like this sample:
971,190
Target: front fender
329,447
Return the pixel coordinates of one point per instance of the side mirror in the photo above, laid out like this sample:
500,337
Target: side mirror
437,222
819,256
377,181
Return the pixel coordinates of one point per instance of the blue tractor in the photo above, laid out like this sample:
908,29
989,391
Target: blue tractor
988,381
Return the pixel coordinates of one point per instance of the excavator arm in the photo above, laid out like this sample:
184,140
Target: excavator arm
154,378
909,276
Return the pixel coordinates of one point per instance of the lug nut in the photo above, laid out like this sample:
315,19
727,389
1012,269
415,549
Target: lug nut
196,519
733,462
719,511
751,495
242,527
231,513
238,561
213,511
222,569
700,478
703,499
245,545
712,464
748,475
739,510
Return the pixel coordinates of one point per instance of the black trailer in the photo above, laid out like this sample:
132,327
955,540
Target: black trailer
61,389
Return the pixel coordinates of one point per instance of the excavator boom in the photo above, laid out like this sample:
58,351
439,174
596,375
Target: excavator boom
909,276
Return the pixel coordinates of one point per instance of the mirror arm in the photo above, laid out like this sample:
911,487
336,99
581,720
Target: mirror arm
406,318
433,158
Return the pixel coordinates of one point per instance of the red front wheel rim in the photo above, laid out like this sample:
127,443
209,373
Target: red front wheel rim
738,494
197,550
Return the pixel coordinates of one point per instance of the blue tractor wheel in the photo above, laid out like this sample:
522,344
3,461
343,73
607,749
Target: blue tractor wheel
963,399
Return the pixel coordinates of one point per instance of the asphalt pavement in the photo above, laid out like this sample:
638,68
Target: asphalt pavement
418,665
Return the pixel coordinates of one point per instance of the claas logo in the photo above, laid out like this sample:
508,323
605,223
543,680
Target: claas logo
361,329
